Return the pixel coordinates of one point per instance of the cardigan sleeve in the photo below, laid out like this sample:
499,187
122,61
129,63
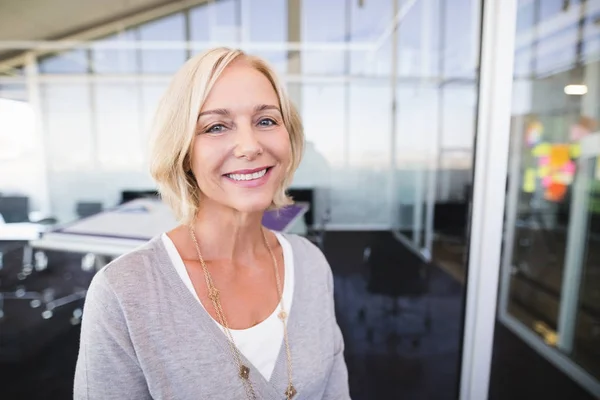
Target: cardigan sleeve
107,366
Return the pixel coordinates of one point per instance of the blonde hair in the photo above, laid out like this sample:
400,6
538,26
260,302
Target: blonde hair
174,129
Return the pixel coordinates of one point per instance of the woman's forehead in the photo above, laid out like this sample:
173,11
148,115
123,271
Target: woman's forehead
241,88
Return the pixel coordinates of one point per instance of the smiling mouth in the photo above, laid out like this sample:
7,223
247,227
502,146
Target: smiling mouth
249,176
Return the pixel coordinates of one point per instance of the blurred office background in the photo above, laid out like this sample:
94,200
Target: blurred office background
389,94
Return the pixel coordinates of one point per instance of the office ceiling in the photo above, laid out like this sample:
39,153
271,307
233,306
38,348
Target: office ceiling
31,20
53,19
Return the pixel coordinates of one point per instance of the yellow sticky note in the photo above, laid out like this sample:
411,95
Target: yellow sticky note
529,180
543,171
575,150
542,149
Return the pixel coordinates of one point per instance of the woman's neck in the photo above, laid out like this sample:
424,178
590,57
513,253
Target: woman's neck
227,234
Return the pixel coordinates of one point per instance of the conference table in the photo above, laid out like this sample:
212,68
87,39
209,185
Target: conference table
121,229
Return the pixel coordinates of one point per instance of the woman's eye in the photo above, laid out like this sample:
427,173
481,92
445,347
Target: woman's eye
216,128
267,122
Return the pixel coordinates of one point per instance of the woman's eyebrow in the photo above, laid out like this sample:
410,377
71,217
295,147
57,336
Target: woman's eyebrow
224,112
263,107
217,111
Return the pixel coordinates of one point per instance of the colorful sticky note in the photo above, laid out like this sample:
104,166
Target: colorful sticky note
542,149
555,192
534,133
559,155
543,171
544,160
564,178
575,150
569,168
529,180
546,181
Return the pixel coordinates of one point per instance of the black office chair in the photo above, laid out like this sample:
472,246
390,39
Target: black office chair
315,224
87,209
129,195
14,208
304,195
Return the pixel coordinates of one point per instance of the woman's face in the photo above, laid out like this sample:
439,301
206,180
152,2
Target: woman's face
242,148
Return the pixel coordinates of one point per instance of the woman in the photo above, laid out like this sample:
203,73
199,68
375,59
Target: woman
219,307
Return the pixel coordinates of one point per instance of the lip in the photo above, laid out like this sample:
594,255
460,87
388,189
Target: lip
248,171
251,183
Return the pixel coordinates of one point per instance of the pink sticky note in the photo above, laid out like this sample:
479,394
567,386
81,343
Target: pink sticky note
569,168
544,160
546,181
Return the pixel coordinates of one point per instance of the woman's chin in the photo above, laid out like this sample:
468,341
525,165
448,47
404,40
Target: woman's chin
250,205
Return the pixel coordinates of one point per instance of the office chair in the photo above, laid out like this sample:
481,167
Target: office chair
316,224
14,209
87,209
129,195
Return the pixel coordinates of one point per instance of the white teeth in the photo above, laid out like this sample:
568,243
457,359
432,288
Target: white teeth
247,177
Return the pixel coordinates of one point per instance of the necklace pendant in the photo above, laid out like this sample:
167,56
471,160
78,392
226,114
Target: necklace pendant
244,372
290,392
282,315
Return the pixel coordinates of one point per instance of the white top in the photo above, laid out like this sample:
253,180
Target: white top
261,343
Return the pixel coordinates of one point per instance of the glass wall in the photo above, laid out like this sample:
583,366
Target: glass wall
363,135
387,92
20,143
437,69
551,261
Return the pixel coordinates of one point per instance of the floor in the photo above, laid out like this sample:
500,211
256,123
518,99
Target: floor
382,308
519,373
37,355
384,294
390,352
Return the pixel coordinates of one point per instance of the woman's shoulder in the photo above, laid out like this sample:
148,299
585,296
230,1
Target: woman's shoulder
308,258
128,273
304,248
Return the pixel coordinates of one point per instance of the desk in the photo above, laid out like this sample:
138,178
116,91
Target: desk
124,228
20,232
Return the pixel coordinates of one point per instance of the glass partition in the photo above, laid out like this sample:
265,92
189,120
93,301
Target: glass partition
550,293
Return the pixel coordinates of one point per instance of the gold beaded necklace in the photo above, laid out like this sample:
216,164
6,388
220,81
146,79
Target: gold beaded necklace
213,295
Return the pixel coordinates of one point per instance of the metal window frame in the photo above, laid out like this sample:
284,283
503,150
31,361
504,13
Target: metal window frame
487,222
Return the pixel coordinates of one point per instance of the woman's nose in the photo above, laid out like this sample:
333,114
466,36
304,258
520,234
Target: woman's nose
247,144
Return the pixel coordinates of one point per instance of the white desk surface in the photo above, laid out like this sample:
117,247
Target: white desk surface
21,231
137,222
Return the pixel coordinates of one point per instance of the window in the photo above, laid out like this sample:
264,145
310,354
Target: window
68,126
107,60
119,143
323,22
165,30
70,62
551,284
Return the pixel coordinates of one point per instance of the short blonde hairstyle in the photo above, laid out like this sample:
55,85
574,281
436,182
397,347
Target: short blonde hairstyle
174,128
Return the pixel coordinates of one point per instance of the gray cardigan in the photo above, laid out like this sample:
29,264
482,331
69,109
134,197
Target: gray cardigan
144,335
